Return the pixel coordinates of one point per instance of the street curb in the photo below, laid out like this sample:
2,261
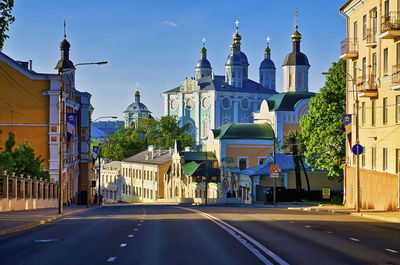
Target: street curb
42,222
369,216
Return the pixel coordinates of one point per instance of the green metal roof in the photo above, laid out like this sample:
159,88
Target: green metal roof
244,131
190,168
287,101
198,170
198,156
228,159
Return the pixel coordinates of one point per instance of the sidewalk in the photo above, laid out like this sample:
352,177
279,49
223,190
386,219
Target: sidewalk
393,217
12,222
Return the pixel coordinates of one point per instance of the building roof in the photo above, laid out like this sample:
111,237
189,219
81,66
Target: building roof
198,156
218,84
113,165
284,161
203,63
345,4
267,63
236,59
136,107
160,157
244,131
296,58
287,101
198,169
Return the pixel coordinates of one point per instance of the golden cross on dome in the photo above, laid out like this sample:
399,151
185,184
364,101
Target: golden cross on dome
296,14
237,25
65,32
137,86
268,39
204,41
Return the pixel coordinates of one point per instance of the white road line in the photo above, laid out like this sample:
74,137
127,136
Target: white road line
328,232
139,224
354,239
141,221
111,259
136,229
290,222
123,245
391,250
130,236
46,240
236,233
308,226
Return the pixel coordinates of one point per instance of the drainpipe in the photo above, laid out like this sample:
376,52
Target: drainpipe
347,64
398,191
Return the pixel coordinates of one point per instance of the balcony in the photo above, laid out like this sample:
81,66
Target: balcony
366,86
349,49
390,25
396,77
371,38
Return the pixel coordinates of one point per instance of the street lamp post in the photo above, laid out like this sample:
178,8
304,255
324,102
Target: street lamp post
355,92
98,155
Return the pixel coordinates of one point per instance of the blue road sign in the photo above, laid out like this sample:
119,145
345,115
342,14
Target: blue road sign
357,149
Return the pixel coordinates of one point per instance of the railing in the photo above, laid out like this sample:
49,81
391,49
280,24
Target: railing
366,82
390,21
349,46
396,74
371,36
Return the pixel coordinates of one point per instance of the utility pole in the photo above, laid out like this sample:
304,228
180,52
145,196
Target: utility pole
206,176
274,178
61,145
358,156
98,155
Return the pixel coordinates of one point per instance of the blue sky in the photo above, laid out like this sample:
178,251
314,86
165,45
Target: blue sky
157,43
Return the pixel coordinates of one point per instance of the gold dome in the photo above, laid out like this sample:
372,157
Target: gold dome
137,93
296,36
237,38
267,51
203,50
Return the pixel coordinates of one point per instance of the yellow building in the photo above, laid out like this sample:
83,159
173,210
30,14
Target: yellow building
29,107
372,51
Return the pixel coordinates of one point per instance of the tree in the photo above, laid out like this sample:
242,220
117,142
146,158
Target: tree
293,141
169,131
22,160
6,19
322,128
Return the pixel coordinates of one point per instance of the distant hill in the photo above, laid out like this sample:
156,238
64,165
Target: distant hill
101,129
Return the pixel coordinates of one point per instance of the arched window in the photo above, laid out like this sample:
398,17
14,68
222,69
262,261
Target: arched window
242,163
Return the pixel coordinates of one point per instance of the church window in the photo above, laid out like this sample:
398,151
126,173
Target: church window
261,77
205,103
244,72
290,79
189,104
244,103
226,103
205,127
299,79
174,104
233,73
242,163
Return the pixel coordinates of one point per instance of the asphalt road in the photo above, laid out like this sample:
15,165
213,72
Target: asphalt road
139,234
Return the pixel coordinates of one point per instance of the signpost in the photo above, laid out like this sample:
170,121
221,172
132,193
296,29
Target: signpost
274,171
326,193
357,149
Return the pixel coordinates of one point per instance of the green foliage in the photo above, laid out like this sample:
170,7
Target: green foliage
292,141
322,128
161,133
6,19
22,160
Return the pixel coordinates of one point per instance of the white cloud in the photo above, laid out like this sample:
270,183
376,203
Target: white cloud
170,23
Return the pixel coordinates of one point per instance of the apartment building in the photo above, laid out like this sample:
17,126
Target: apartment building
372,51
146,173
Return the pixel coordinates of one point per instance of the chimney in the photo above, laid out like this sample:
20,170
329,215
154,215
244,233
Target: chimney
30,65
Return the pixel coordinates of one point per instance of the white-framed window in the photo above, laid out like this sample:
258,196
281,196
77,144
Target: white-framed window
261,159
385,159
243,162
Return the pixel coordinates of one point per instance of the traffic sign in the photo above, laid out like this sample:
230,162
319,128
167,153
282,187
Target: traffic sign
274,171
357,149
326,193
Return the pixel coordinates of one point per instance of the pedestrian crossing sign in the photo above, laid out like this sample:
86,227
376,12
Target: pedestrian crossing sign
274,171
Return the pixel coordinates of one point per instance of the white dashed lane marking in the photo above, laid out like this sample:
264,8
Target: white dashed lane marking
328,232
139,224
136,229
290,222
391,250
130,236
123,245
354,239
308,226
111,259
